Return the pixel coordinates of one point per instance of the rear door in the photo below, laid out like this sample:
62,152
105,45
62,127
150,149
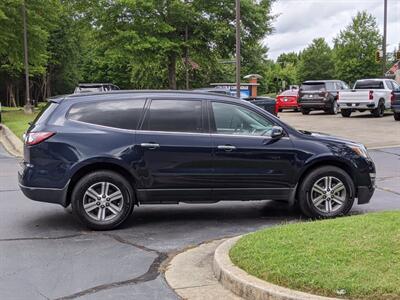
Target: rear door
174,152
248,163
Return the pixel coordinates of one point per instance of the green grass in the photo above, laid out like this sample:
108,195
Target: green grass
357,256
17,120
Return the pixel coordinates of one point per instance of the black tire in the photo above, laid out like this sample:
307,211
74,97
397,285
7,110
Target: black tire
280,110
305,111
296,109
315,176
334,108
380,110
125,203
346,113
397,116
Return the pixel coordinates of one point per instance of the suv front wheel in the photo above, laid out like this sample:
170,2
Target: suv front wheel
326,192
102,200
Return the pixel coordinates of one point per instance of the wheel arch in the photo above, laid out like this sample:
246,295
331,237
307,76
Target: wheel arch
323,163
97,166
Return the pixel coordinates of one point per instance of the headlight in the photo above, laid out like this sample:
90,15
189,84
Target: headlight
360,150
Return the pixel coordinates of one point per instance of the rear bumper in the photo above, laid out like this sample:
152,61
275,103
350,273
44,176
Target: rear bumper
287,105
396,108
357,105
364,194
315,105
49,195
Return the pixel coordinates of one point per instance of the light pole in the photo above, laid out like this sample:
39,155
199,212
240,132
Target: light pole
28,108
384,38
238,48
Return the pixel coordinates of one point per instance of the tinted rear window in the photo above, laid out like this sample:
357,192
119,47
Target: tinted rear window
313,86
289,93
124,114
174,115
369,85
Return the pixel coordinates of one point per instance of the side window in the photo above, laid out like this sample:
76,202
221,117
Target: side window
396,86
123,114
389,84
330,86
174,116
238,120
345,86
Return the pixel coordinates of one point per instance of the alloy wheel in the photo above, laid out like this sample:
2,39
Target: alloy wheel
328,194
103,201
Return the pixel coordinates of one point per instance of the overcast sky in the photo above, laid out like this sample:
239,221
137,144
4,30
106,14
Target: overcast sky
298,22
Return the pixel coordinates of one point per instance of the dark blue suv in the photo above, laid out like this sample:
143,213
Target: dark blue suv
105,153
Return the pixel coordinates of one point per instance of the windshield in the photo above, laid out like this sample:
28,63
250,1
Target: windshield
317,86
369,85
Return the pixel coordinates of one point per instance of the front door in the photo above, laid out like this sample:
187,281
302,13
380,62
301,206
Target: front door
248,163
175,153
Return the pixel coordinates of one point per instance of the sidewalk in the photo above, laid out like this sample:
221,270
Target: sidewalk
191,276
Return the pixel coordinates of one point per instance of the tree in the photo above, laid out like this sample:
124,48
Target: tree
290,58
355,47
147,37
316,61
40,19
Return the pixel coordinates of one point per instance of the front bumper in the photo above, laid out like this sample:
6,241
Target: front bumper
364,194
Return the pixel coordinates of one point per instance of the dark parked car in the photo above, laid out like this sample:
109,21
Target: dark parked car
395,99
320,95
105,153
95,88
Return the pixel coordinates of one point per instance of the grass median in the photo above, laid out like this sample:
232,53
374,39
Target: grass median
17,120
353,257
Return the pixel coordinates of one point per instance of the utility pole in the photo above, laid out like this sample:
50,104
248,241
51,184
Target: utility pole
187,56
384,38
238,48
187,53
28,108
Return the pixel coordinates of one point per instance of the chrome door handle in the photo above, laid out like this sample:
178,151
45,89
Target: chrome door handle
226,147
150,145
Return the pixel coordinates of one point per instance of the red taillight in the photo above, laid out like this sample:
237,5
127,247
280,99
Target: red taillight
338,96
34,138
393,97
371,95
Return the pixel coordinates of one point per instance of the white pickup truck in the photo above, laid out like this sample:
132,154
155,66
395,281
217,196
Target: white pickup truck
373,95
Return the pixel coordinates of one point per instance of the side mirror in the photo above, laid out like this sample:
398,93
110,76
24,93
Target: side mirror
277,132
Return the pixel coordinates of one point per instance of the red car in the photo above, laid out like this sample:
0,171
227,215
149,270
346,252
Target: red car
287,100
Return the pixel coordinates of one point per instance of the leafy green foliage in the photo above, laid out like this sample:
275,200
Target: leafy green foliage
316,61
355,46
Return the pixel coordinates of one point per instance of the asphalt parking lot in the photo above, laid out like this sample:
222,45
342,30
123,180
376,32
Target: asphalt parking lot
46,254
360,127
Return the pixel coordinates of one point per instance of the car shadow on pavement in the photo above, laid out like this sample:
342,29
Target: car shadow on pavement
366,115
227,212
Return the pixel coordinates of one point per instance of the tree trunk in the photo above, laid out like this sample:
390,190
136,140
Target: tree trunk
172,71
11,95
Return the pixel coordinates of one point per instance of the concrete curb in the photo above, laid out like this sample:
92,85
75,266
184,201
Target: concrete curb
247,286
11,142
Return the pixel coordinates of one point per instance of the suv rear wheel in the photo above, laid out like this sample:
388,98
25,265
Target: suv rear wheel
397,116
102,200
326,192
305,111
